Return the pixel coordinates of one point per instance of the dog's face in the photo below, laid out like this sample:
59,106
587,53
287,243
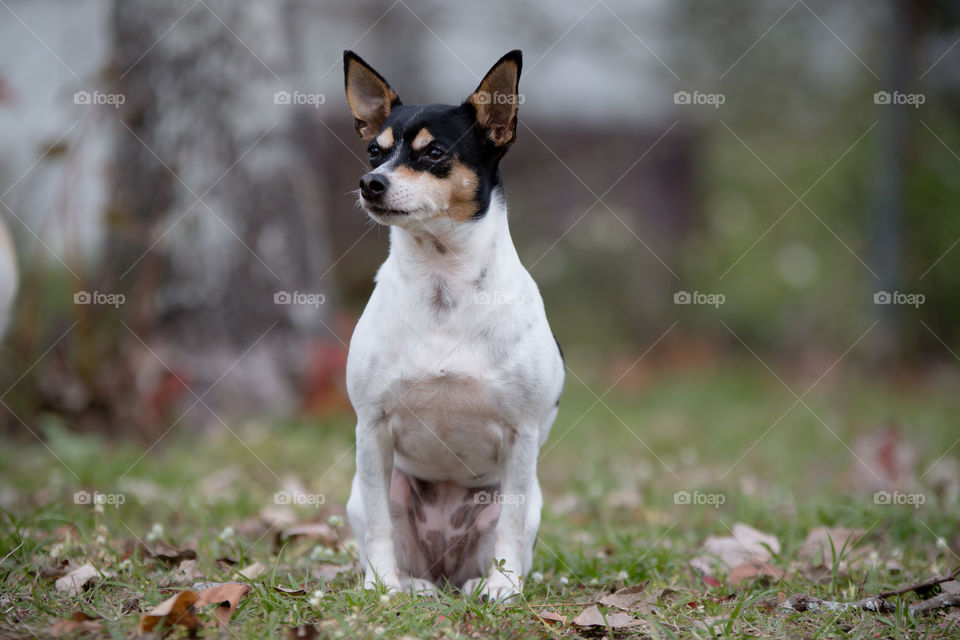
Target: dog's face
436,160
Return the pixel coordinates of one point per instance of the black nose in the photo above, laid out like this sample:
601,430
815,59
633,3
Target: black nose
373,185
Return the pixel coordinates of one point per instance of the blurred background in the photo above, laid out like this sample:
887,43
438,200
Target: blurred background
699,188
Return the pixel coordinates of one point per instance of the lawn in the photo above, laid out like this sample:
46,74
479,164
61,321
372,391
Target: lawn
636,479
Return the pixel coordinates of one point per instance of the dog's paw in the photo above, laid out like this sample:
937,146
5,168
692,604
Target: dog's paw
418,587
497,588
390,582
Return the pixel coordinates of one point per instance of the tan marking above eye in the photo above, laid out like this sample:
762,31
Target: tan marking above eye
385,139
423,138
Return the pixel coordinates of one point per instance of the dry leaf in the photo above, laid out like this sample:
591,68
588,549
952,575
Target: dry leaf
252,572
185,572
750,571
290,591
74,581
630,599
746,545
591,617
177,610
311,531
550,616
79,621
303,632
227,598
165,552
816,549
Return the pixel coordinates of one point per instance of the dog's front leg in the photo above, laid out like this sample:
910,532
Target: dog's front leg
503,580
374,468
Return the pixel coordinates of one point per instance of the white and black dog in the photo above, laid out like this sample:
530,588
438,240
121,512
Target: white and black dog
453,371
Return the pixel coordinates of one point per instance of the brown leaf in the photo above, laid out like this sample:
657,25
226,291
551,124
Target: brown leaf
630,599
176,610
311,531
227,598
290,591
252,572
550,616
74,581
79,621
186,571
750,571
165,552
303,632
591,617
816,549
746,545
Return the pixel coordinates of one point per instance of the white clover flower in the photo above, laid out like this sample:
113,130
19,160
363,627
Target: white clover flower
564,580
315,598
384,599
100,541
335,521
623,575
536,576
226,535
156,532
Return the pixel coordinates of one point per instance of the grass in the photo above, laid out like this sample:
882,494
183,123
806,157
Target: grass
609,472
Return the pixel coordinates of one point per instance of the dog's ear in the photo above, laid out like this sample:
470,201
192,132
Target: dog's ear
495,100
368,94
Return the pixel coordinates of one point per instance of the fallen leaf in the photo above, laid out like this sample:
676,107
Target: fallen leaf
62,568
176,610
252,572
79,621
750,571
290,591
885,460
74,581
311,531
746,545
185,572
302,632
817,550
591,617
227,598
550,616
165,552
630,599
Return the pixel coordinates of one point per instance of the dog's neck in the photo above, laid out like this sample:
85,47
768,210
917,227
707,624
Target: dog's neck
450,249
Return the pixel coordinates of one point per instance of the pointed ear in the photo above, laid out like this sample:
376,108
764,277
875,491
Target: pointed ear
495,100
368,94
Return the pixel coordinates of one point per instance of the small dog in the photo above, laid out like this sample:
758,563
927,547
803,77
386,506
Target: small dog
453,371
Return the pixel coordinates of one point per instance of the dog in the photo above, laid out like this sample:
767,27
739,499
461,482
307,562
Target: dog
453,371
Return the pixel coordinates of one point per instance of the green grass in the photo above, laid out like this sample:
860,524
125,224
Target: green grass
609,475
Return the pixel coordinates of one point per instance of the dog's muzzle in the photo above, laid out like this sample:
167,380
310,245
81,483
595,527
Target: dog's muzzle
373,186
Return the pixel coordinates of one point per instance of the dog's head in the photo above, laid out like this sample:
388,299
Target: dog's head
434,160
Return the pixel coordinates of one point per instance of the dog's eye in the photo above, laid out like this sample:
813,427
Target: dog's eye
435,154
373,153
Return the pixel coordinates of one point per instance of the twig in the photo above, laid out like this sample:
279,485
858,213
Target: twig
879,603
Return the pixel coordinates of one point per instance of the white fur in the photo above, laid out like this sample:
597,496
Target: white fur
8,277
465,393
